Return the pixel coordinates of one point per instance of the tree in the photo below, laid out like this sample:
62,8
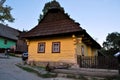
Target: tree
112,44
5,14
2,1
49,5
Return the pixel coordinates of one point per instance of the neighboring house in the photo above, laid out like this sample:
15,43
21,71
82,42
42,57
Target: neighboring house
59,39
8,37
21,45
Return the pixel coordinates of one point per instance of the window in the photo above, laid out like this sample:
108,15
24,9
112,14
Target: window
82,50
41,47
56,47
5,41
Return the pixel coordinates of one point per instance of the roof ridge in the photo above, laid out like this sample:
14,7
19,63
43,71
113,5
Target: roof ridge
9,27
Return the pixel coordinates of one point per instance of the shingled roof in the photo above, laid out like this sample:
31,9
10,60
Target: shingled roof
8,32
54,22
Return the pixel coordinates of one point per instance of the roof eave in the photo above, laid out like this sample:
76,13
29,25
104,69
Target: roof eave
53,35
94,43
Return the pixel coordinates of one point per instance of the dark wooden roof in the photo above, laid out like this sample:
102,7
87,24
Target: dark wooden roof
8,32
54,22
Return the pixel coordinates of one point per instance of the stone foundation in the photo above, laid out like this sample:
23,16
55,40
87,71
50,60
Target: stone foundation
54,64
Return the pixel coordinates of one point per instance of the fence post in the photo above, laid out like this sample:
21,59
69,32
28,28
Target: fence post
119,68
78,60
119,64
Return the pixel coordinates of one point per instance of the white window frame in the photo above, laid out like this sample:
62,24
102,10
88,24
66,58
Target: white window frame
41,47
55,47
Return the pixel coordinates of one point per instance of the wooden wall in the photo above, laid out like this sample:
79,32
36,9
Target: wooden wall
67,50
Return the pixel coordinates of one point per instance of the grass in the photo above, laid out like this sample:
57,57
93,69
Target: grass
81,77
39,67
47,75
27,69
112,78
13,54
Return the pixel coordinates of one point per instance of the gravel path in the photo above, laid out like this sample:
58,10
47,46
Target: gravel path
9,71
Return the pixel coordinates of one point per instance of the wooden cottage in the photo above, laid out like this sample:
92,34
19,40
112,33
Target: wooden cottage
59,39
8,37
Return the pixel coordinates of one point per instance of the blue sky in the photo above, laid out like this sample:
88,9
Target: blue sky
98,17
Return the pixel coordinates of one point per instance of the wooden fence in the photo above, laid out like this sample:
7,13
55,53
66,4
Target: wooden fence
100,62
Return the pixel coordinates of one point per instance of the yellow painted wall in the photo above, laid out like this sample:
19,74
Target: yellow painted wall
67,50
88,50
92,51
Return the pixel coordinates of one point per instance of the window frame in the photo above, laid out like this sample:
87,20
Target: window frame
44,45
53,46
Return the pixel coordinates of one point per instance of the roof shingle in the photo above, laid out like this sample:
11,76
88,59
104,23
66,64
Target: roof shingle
8,32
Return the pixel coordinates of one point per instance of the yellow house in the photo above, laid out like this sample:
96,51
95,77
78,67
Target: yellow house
59,39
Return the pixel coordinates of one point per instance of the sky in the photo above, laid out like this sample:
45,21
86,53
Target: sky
97,17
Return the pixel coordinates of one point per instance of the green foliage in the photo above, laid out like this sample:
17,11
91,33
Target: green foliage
112,44
5,12
2,1
12,54
112,41
49,5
